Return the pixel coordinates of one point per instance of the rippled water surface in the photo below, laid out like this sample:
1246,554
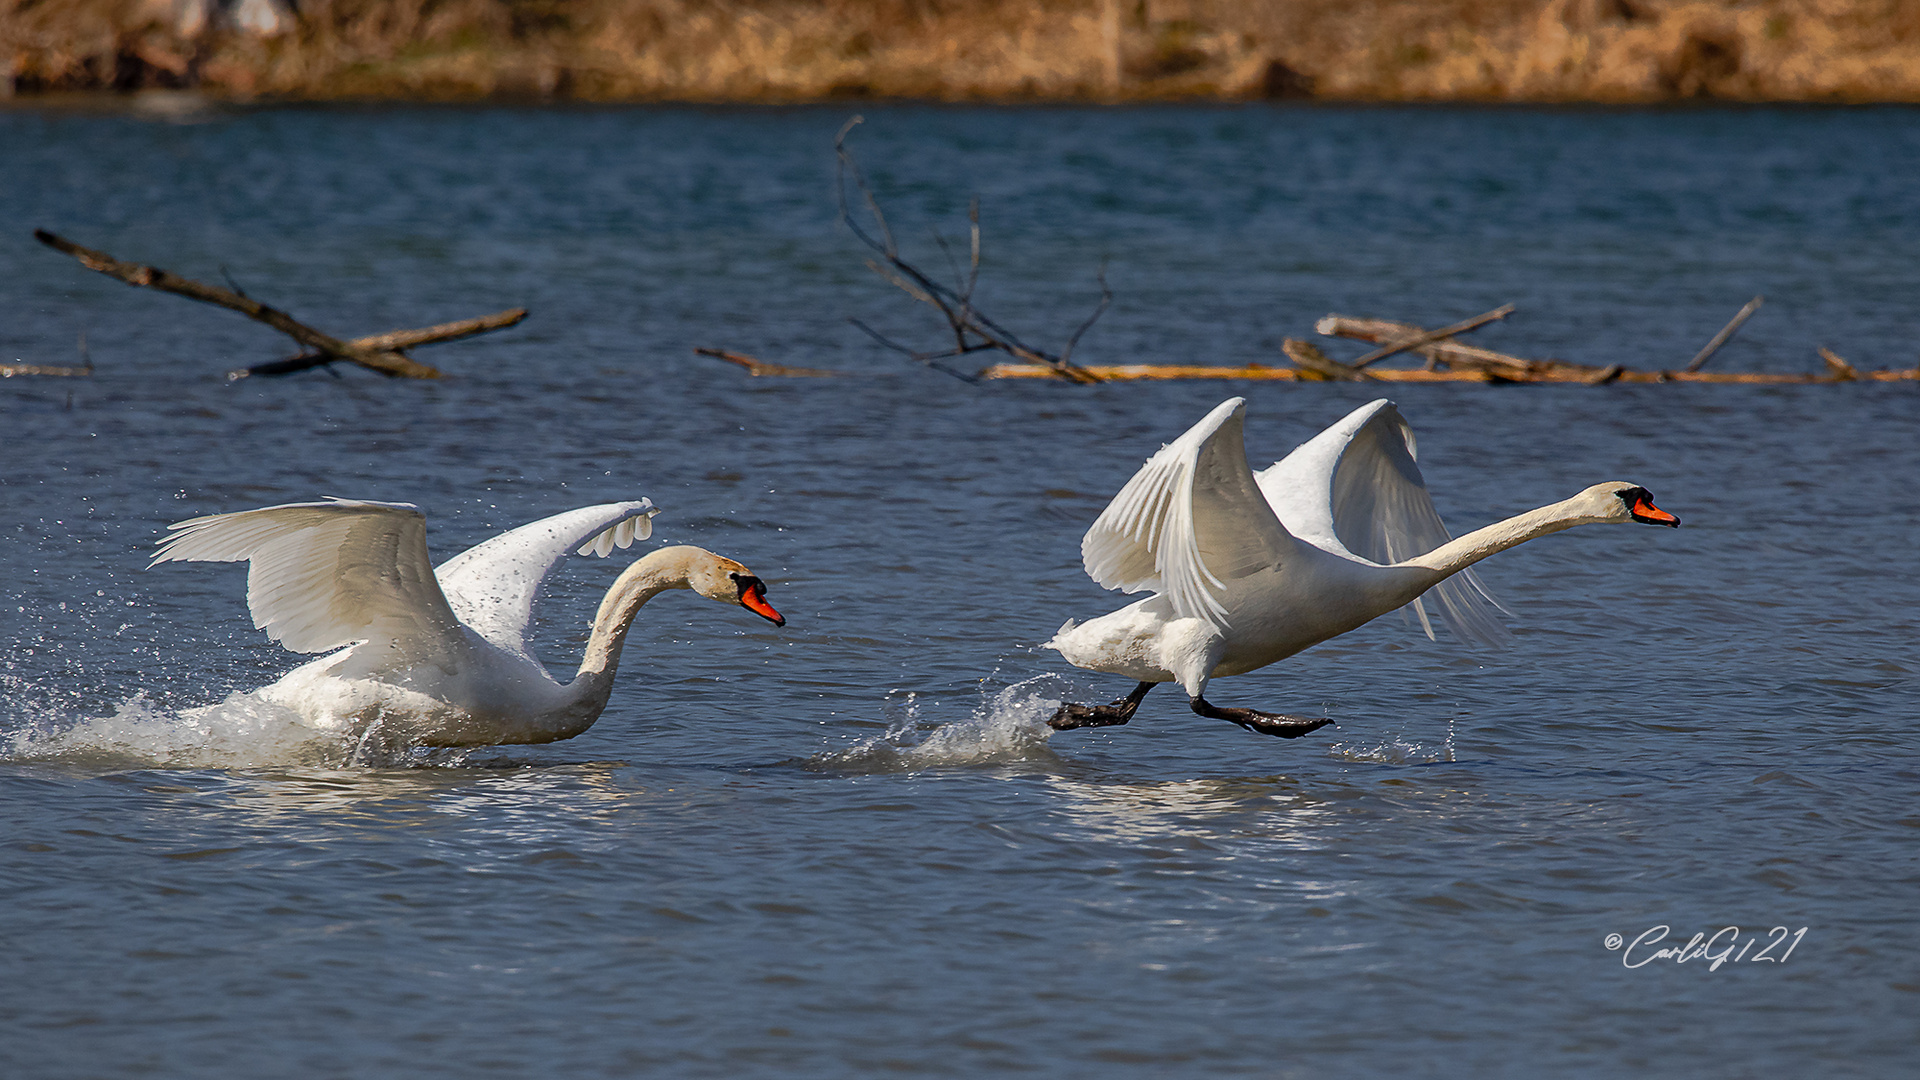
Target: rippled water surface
852,847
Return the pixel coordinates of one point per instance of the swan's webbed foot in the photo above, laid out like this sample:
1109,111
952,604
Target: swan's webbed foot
1071,715
1279,725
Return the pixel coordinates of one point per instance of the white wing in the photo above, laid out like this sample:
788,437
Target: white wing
1357,486
493,585
327,574
1189,521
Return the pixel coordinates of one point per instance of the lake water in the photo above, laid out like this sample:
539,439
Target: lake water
851,846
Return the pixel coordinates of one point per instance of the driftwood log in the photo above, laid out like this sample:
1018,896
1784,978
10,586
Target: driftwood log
1450,362
1251,372
1453,355
1258,372
1311,361
1426,337
384,353
1489,366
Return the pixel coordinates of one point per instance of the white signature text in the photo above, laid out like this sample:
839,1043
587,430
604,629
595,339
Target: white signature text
1726,946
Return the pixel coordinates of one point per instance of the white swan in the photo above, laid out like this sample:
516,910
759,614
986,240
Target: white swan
1248,569
439,657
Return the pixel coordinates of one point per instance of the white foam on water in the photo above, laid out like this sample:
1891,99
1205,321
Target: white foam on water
1008,725
242,731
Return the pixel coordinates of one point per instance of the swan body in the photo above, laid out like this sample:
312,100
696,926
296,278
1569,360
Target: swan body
438,656
1248,568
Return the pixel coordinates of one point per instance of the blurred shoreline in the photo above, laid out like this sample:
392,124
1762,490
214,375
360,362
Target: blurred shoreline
1049,51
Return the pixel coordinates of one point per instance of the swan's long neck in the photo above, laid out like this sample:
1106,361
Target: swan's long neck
585,696
664,569
1456,555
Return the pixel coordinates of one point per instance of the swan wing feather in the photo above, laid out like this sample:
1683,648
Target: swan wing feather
326,574
1190,521
1357,486
493,585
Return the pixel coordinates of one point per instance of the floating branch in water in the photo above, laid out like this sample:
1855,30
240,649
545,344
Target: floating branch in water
382,352
1428,336
1312,362
1726,333
391,342
760,367
1840,369
1250,372
1439,352
973,331
1145,372
1449,361
1489,366
1600,376
8,371
84,371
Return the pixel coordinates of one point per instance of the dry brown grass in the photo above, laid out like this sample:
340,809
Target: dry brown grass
1073,50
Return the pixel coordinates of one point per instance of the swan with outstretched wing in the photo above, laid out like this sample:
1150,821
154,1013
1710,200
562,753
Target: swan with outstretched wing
439,656
1246,569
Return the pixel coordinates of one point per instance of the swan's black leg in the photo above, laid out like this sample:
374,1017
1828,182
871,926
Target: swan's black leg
1073,716
1266,723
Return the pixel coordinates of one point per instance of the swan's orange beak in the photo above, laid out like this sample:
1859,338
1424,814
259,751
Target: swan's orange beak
1644,510
754,599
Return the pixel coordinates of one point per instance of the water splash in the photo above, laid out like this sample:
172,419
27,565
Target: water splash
242,731
1395,749
1009,725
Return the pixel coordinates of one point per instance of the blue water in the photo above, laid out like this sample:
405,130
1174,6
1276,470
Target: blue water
851,846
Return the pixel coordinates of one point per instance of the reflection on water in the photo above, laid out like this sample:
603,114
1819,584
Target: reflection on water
1278,809
514,806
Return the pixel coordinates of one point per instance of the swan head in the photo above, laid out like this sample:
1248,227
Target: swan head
1622,502
718,578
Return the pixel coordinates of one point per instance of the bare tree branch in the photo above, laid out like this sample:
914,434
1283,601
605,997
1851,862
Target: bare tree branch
384,353
972,330
385,361
929,359
1106,300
